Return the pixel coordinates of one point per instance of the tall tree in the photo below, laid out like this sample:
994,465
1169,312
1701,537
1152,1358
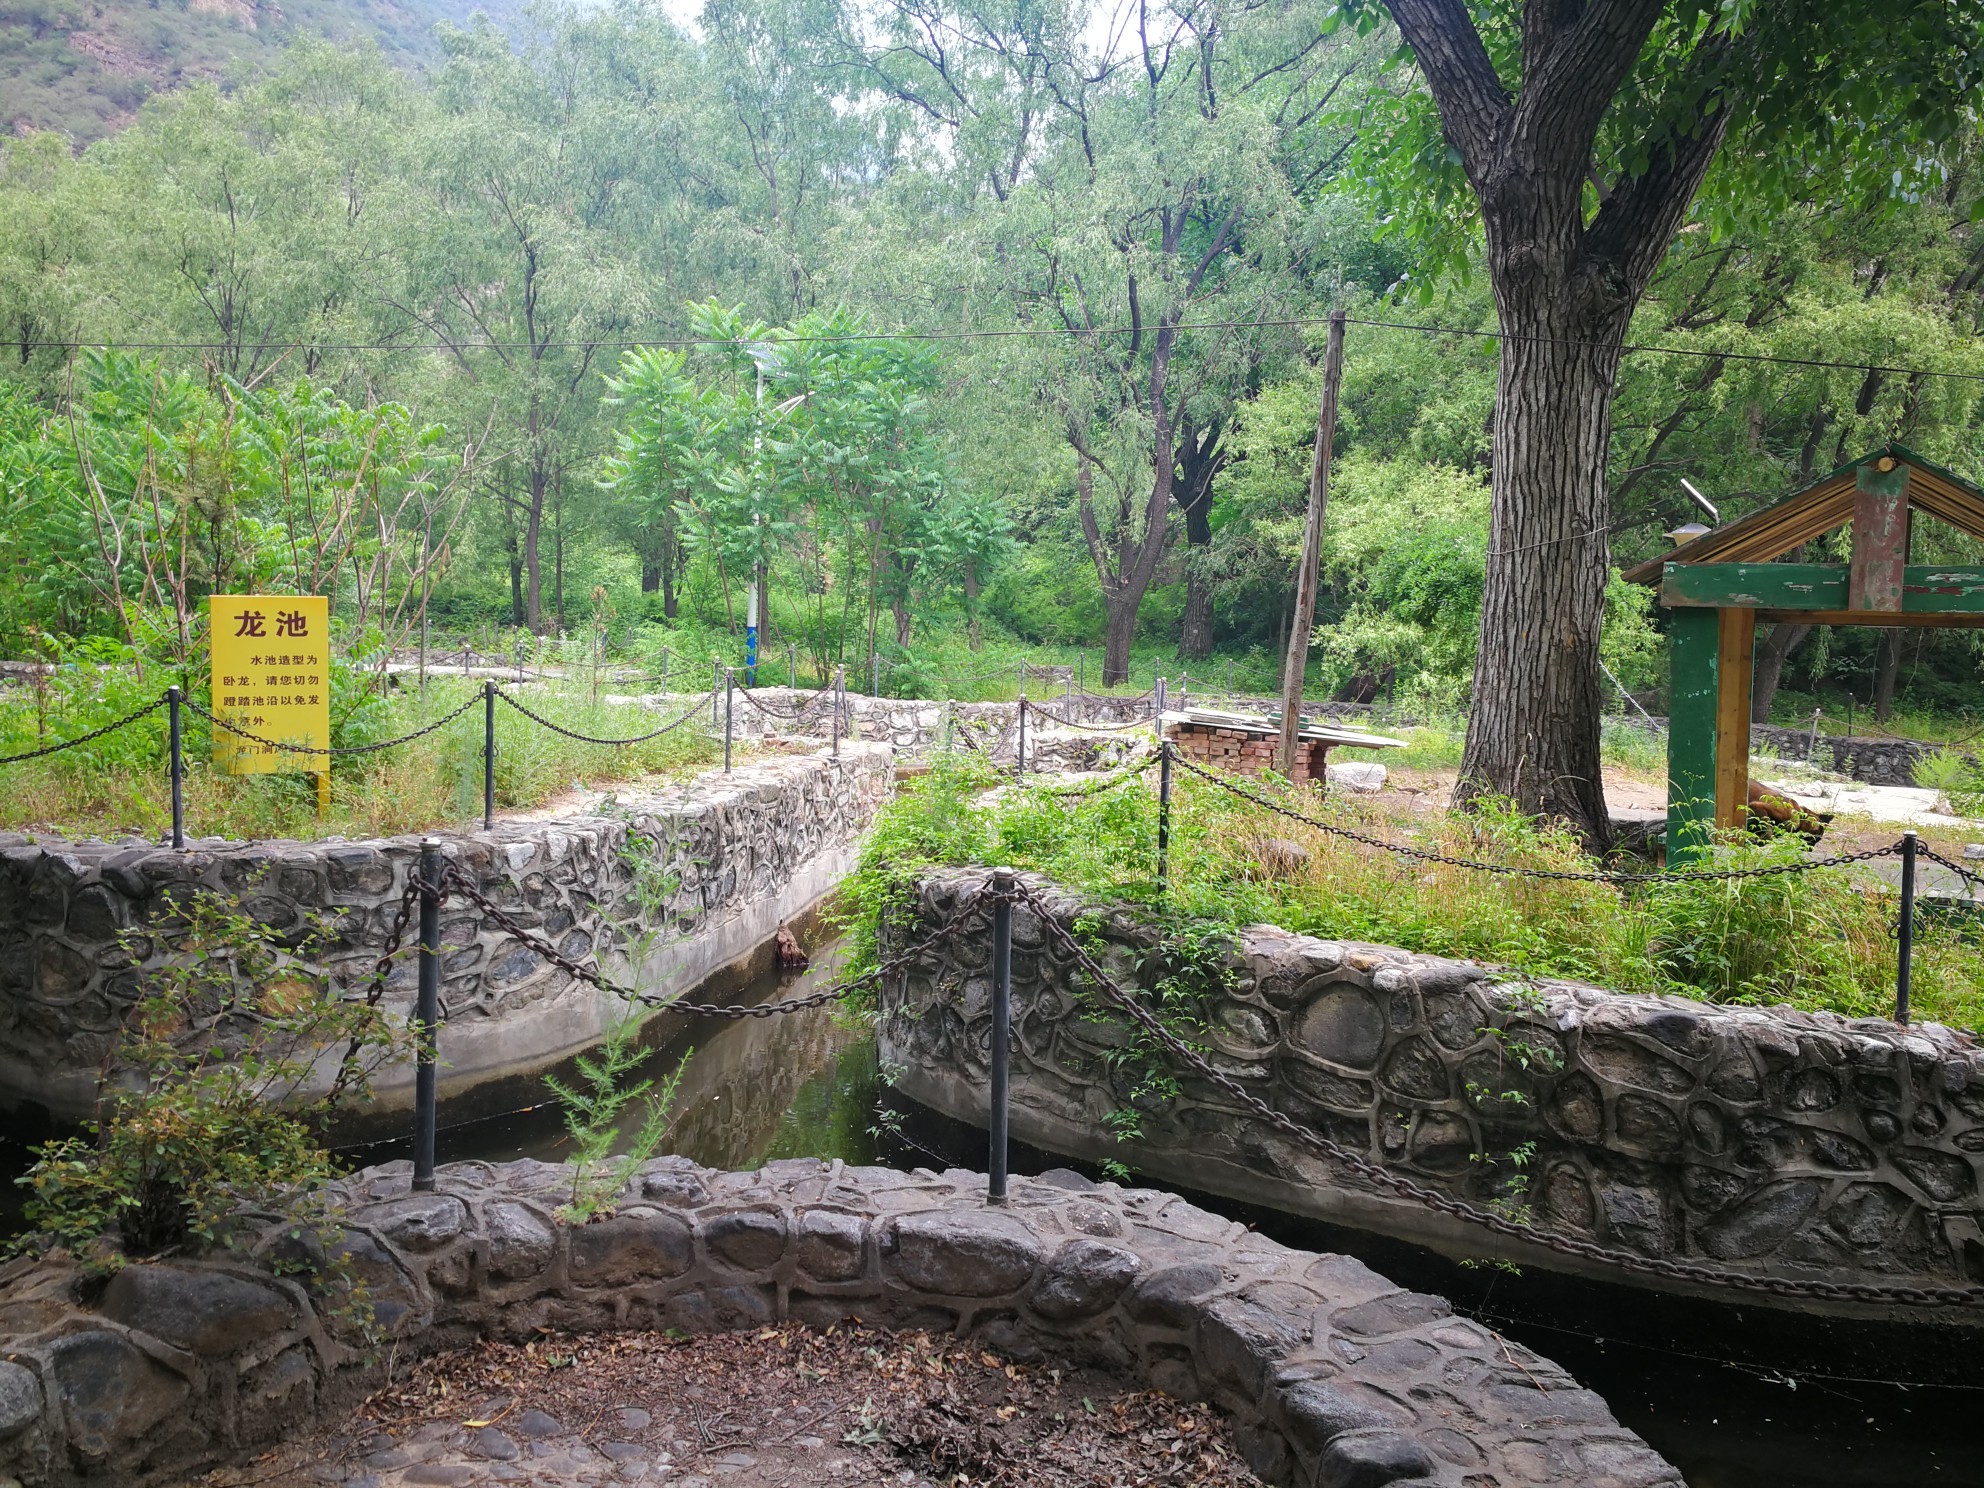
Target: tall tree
1583,133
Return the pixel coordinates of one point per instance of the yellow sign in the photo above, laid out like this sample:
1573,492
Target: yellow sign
271,678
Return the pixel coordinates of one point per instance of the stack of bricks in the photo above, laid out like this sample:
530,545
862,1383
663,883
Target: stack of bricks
1245,751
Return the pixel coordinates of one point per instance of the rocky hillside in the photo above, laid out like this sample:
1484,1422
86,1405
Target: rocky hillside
84,66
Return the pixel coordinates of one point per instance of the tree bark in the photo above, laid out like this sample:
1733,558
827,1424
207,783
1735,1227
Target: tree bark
1565,284
1200,457
1775,650
1887,666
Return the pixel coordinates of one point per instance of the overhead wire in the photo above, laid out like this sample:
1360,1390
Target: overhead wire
677,342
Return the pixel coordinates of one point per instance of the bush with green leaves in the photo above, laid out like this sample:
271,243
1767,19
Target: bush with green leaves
206,1106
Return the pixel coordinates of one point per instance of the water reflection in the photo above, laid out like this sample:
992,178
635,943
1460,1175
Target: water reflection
754,1089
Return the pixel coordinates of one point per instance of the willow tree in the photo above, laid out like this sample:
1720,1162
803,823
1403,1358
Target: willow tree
1579,138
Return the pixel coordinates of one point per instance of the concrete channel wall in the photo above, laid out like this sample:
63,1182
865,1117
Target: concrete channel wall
1331,1376
706,872
1773,1143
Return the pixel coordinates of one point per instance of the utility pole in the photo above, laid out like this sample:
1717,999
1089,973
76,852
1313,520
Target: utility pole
1304,618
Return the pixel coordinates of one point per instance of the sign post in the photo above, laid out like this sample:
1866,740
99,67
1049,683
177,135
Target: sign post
272,679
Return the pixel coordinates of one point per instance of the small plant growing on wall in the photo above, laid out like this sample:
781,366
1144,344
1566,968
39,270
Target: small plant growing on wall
203,1107
595,1106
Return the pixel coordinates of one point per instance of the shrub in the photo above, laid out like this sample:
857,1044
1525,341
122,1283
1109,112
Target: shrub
203,1108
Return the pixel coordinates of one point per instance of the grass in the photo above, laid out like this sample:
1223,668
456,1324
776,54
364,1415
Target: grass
120,786
1818,940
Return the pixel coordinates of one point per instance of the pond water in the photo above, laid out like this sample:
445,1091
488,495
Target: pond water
753,1090
1735,1397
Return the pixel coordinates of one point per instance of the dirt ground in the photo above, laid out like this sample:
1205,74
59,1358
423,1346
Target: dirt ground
779,1408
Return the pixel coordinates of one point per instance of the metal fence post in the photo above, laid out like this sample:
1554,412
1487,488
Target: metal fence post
1081,668
664,669
176,767
840,701
792,666
729,687
1909,842
1229,677
1003,883
427,1013
489,754
1021,771
1157,707
716,686
1164,808
875,674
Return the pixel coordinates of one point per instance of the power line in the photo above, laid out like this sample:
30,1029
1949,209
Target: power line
672,342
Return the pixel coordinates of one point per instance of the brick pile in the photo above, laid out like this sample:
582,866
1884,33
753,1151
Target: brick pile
1245,751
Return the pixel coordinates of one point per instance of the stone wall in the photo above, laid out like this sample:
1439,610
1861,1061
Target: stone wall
1332,1376
1871,761
1772,1142
712,867
914,726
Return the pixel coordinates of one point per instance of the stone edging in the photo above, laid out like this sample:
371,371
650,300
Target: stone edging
1333,1377
724,860
1799,1145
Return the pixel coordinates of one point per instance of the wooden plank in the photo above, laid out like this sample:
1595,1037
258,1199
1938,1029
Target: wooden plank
1941,589
1927,589
1818,586
1766,534
1880,535
1693,639
1736,649
1878,619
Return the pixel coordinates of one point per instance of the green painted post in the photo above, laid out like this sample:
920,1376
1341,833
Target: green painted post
1691,641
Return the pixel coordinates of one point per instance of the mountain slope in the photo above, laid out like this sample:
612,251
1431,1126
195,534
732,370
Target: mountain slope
84,66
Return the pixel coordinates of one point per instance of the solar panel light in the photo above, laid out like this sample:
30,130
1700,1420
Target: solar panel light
1687,532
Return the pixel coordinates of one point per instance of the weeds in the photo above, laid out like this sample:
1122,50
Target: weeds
594,1108
1821,939
120,785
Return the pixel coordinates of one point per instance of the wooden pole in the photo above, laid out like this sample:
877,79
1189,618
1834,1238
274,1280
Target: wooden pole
1736,646
1304,618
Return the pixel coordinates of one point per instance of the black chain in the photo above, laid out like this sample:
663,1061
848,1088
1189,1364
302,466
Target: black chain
1096,728
1970,880
792,715
375,988
1078,792
695,710
443,721
1444,1203
1602,875
96,733
965,915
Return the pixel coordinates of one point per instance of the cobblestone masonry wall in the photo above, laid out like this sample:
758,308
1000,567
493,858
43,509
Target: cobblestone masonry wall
912,726
714,866
1797,1144
1334,1377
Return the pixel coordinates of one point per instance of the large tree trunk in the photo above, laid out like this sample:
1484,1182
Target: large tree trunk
1199,459
1566,280
1887,666
1532,731
1119,630
1774,650
533,534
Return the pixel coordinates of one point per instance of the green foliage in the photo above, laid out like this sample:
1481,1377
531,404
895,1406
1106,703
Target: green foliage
207,1104
1816,939
595,1107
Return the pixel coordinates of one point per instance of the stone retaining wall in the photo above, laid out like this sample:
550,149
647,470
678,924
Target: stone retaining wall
1797,1145
1332,1376
712,867
914,726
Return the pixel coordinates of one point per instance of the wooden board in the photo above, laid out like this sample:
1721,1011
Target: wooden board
1928,590
1693,641
1880,536
1736,648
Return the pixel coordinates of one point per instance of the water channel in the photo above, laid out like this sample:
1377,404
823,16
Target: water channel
1735,1397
